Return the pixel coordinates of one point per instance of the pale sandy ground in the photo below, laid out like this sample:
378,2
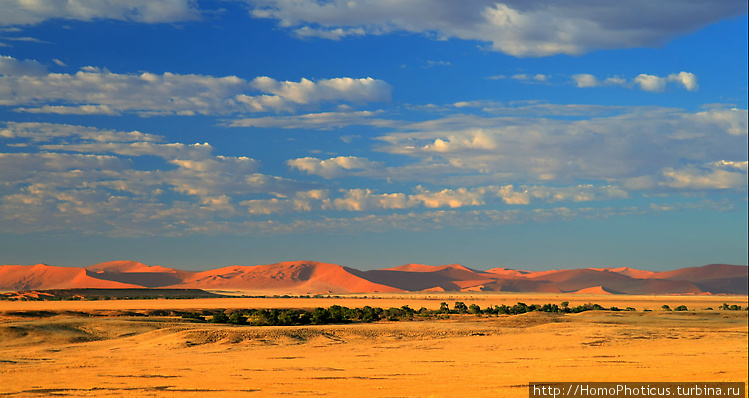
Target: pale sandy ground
68,355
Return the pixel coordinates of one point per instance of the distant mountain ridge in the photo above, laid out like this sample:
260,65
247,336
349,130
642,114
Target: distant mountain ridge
310,277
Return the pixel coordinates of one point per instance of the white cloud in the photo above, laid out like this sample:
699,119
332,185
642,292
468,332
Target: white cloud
688,80
334,167
516,27
524,76
644,81
345,88
73,110
716,175
49,187
330,34
24,12
365,199
48,132
368,200
733,121
632,146
586,80
452,198
615,81
471,140
99,91
650,82
10,66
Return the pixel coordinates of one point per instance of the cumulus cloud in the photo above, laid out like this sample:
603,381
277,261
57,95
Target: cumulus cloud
472,140
586,80
716,175
643,81
733,120
365,199
98,91
307,91
48,132
516,27
632,145
302,201
49,185
526,77
650,82
686,79
20,12
10,66
452,198
334,167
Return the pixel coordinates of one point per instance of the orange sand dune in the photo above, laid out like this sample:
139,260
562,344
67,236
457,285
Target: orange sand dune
707,272
415,277
634,273
508,273
42,276
302,277
574,280
135,273
296,277
521,285
127,266
594,290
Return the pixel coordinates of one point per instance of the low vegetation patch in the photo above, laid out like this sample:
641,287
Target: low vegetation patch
336,314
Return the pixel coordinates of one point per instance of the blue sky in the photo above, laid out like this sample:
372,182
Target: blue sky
525,134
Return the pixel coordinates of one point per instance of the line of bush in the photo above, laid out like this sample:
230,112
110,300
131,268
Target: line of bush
337,314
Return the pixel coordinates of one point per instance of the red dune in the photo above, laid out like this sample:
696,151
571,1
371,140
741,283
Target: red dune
297,277
534,274
634,273
303,277
428,268
706,272
574,280
467,284
133,272
521,285
42,276
415,277
594,290
508,273
127,266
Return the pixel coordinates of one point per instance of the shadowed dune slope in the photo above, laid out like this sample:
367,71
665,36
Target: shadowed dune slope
415,277
704,273
128,266
135,273
309,277
575,280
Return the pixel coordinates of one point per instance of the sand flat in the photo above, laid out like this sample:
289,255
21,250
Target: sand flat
69,355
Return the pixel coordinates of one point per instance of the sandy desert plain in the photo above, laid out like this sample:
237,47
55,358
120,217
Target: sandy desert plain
56,348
